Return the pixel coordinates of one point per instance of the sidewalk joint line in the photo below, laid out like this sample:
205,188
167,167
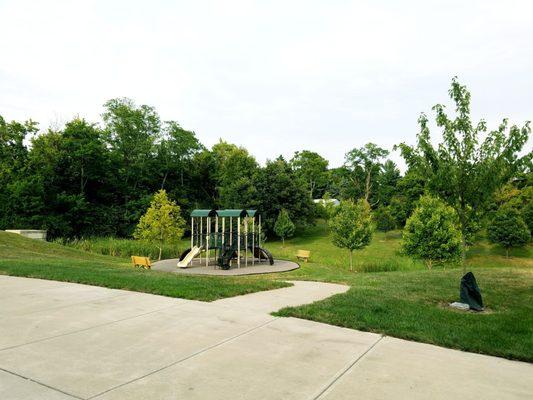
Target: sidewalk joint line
90,327
40,383
201,351
343,372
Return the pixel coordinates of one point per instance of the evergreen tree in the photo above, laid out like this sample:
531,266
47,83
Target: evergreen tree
284,227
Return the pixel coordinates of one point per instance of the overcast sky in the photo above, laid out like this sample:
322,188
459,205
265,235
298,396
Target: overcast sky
273,76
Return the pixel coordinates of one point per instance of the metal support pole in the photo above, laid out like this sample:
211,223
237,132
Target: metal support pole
208,221
259,237
246,241
201,236
253,240
192,232
239,242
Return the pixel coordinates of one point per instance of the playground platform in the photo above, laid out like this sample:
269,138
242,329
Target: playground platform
196,268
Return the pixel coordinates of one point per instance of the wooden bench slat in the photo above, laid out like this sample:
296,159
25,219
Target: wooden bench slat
303,254
142,261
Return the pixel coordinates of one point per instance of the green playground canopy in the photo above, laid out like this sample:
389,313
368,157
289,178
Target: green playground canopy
203,213
232,213
224,213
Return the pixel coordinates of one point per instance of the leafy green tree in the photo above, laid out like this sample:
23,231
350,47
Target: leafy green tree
508,229
432,232
387,182
328,207
384,220
16,194
175,151
352,226
527,216
284,227
277,187
368,160
408,191
162,222
313,169
470,163
132,133
346,183
234,169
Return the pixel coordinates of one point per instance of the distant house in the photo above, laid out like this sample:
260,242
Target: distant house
335,202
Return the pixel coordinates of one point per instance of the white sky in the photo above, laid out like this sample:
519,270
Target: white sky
273,76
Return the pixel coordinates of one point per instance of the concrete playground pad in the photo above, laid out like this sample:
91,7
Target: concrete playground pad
198,268
70,341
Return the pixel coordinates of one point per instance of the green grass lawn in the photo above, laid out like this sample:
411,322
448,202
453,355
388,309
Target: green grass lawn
411,302
390,293
30,258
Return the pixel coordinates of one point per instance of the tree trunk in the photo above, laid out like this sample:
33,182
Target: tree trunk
367,186
429,264
351,260
160,251
282,242
164,180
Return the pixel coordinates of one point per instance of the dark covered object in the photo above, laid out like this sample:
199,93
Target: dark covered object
470,293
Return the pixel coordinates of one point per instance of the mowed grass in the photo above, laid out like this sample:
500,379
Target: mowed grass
409,301
34,259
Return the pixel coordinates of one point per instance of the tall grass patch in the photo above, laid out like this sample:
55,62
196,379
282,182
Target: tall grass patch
116,247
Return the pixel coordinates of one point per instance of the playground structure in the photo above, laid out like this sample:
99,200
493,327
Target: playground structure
223,237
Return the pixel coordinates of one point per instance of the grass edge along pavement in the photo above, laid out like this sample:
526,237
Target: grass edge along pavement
29,258
411,302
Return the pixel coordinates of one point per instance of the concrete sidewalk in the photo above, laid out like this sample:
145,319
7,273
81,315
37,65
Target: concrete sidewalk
65,341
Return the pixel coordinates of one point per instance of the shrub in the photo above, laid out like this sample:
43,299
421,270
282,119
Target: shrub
432,232
384,220
508,229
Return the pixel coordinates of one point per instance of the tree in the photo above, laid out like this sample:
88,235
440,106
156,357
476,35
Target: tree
387,183
508,229
176,148
384,220
527,216
284,227
432,232
161,223
408,191
234,169
465,170
276,187
328,208
352,226
313,169
368,160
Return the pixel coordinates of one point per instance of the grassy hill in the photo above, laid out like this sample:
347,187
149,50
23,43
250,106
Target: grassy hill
20,256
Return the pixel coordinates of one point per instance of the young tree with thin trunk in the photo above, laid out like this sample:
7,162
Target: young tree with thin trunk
352,226
284,227
162,222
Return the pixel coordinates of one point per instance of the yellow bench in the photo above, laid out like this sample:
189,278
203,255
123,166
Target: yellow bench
303,255
142,261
